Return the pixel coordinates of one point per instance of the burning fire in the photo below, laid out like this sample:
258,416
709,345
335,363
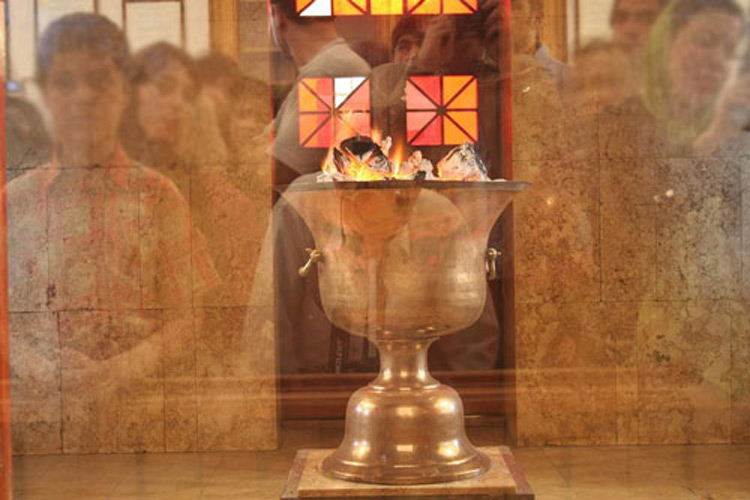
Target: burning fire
361,158
376,164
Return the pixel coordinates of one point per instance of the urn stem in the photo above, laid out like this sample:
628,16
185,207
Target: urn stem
403,365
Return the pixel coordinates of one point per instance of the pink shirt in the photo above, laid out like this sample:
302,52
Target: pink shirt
111,237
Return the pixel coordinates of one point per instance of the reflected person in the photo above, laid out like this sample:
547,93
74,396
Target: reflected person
526,32
101,241
317,51
309,343
631,21
28,142
219,73
167,124
691,50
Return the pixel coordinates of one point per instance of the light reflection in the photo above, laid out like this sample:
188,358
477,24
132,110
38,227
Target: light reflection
449,448
361,448
364,408
446,405
405,411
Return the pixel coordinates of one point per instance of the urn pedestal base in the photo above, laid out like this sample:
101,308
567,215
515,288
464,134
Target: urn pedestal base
504,480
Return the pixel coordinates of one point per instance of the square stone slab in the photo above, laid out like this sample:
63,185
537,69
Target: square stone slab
504,481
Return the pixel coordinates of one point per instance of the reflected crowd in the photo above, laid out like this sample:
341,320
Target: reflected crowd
141,191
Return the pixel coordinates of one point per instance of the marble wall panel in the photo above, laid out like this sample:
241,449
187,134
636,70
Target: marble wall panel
28,261
233,218
113,384
740,374
745,183
628,236
36,392
567,382
582,137
180,385
557,232
699,230
170,247
627,131
684,351
537,113
236,379
93,226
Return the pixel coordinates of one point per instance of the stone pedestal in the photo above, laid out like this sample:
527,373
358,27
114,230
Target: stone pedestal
504,481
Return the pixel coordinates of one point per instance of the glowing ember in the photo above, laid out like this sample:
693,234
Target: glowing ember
362,158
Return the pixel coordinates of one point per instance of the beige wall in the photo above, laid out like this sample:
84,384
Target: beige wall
632,272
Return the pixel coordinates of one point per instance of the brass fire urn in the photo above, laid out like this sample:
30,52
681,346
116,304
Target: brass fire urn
403,263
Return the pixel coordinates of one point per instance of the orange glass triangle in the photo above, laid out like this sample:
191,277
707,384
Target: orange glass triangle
303,4
349,7
459,7
386,7
453,85
423,7
460,127
309,101
322,88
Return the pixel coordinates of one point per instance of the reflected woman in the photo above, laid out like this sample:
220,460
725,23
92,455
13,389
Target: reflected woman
691,48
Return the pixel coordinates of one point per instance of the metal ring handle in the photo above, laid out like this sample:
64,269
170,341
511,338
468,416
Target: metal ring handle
315,257
491,263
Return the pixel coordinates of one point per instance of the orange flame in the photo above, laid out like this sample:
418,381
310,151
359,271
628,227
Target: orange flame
357,170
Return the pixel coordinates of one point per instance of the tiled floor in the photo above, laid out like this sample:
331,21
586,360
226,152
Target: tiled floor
580,473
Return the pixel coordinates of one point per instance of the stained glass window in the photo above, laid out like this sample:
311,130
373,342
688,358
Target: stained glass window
332,109
432,7
441,110
312,8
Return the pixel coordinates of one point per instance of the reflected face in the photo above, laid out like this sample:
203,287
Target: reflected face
164,103
632,20
601,79
86,96
246,123
701,56
523,25
407,47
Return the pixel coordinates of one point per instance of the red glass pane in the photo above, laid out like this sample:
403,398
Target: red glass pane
358,100
423,92
315,130
424,128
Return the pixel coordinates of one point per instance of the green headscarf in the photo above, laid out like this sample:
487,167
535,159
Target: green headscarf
657,92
